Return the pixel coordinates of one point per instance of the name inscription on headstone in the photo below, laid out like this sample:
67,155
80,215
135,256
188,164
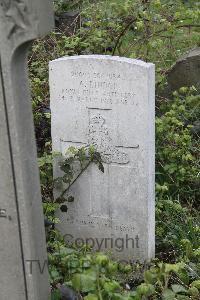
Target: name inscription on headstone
108,102
90,89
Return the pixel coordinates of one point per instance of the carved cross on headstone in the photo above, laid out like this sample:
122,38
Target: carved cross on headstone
22,244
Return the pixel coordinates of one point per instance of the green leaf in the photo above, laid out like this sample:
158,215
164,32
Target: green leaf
70,199
150,277
145,289
64,208
168,295
101,167
196,284
84,283
102,259
55,276
184,277
173,267
111,286
91,297
193,291
182,297
56,295
117,296
177,288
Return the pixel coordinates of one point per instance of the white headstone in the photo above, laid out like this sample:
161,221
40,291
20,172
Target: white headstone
108,102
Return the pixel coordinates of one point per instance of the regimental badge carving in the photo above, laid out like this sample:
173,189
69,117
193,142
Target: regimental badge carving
3,213
99,137
17,14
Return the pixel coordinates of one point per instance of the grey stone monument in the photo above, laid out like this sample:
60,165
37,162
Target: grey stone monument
108,102
23,269
185,72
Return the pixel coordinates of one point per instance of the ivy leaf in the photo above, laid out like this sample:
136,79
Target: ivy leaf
64,208
101,167
60,199
70,199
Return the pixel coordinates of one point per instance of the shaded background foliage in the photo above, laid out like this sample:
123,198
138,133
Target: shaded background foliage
158,31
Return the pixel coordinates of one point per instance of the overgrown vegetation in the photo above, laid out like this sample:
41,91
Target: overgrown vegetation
158,31
177,147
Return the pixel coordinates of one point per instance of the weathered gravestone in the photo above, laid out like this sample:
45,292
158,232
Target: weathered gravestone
23,272
185,72
108,102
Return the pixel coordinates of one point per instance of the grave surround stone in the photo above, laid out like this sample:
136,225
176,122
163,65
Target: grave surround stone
108,102
23,271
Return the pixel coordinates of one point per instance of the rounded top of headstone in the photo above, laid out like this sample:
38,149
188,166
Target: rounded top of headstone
105,58
191,53
185,72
